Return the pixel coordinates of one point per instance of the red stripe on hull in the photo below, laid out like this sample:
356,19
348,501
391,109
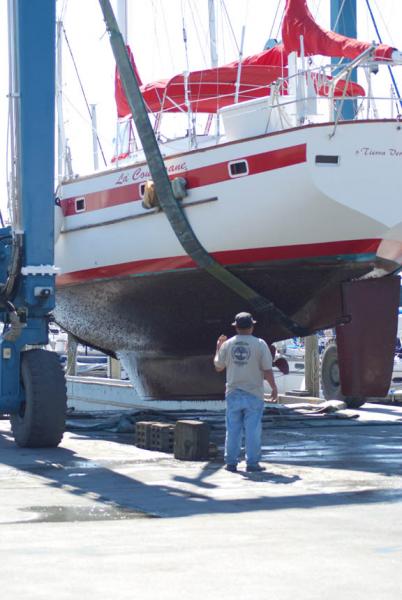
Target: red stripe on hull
211,174
229,257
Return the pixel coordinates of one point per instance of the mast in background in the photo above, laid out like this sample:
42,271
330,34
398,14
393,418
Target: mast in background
122,146
61,138
213,50
343,21
94,137
212,34
121,17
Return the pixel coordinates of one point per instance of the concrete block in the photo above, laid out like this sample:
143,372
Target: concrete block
191,440
152,435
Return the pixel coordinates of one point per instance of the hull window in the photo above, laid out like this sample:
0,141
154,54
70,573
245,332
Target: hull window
79,205
326,159
238,168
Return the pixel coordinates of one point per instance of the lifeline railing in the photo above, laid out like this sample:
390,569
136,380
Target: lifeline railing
308,82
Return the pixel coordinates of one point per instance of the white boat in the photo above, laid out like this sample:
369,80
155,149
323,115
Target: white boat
290,197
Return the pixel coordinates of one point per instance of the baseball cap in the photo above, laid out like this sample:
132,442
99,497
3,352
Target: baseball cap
243,320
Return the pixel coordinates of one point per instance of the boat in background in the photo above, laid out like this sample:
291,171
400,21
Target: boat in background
293,199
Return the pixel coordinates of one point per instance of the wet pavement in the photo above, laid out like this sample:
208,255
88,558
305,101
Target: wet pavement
98,517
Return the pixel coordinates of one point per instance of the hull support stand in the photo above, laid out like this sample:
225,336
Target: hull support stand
366,342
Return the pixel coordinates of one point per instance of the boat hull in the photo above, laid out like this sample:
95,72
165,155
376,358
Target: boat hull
164,326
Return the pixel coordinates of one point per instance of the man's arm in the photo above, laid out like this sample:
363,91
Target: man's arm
269,376
217,363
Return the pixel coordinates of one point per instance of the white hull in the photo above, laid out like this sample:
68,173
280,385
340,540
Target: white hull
275,208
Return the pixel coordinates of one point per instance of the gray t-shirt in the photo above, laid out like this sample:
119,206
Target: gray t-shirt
245,358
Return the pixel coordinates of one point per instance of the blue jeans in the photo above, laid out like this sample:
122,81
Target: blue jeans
243,412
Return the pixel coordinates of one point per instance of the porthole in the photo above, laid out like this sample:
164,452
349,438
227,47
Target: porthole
79,205
238,168
141,189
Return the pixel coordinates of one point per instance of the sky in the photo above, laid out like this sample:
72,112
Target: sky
155,35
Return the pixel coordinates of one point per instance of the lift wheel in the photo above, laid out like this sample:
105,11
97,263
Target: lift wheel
40,421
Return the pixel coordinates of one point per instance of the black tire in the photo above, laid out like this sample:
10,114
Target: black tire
330,379
40,421
354,402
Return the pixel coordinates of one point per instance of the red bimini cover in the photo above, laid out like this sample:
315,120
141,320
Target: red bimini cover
212,89
298,21
209,89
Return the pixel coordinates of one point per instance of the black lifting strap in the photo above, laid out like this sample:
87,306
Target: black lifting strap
167,201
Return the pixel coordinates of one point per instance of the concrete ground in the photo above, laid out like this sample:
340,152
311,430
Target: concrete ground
100,518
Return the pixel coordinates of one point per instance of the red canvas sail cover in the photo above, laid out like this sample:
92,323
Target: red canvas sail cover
121,102
212,89
298,21
209,89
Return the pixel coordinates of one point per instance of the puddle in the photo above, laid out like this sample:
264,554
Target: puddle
72,514
82,464
45,467
389,550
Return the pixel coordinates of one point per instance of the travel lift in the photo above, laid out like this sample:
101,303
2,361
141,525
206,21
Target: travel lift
32,384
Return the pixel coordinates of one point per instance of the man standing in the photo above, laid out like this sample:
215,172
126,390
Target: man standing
248,362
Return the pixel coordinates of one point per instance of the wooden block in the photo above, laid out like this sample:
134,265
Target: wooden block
191,440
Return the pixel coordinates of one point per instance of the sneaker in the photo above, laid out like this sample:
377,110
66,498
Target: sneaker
254,468
231,468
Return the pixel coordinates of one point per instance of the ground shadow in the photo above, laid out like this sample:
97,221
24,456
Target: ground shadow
63,469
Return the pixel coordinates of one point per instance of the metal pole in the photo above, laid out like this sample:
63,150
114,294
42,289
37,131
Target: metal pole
343,21
238,77
36,78
61,140
14,191
213,48
72,347
113,368
121,17
312,365
212,34
94,137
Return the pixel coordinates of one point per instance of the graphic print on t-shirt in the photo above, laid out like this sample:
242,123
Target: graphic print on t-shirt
240,353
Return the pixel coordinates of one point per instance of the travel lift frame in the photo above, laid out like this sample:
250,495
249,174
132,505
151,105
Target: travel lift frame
32,383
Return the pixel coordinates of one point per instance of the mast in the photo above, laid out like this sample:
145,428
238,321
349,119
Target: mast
343,17
121,15
121,18
61,137
212,34
343,21
213,51
94,137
